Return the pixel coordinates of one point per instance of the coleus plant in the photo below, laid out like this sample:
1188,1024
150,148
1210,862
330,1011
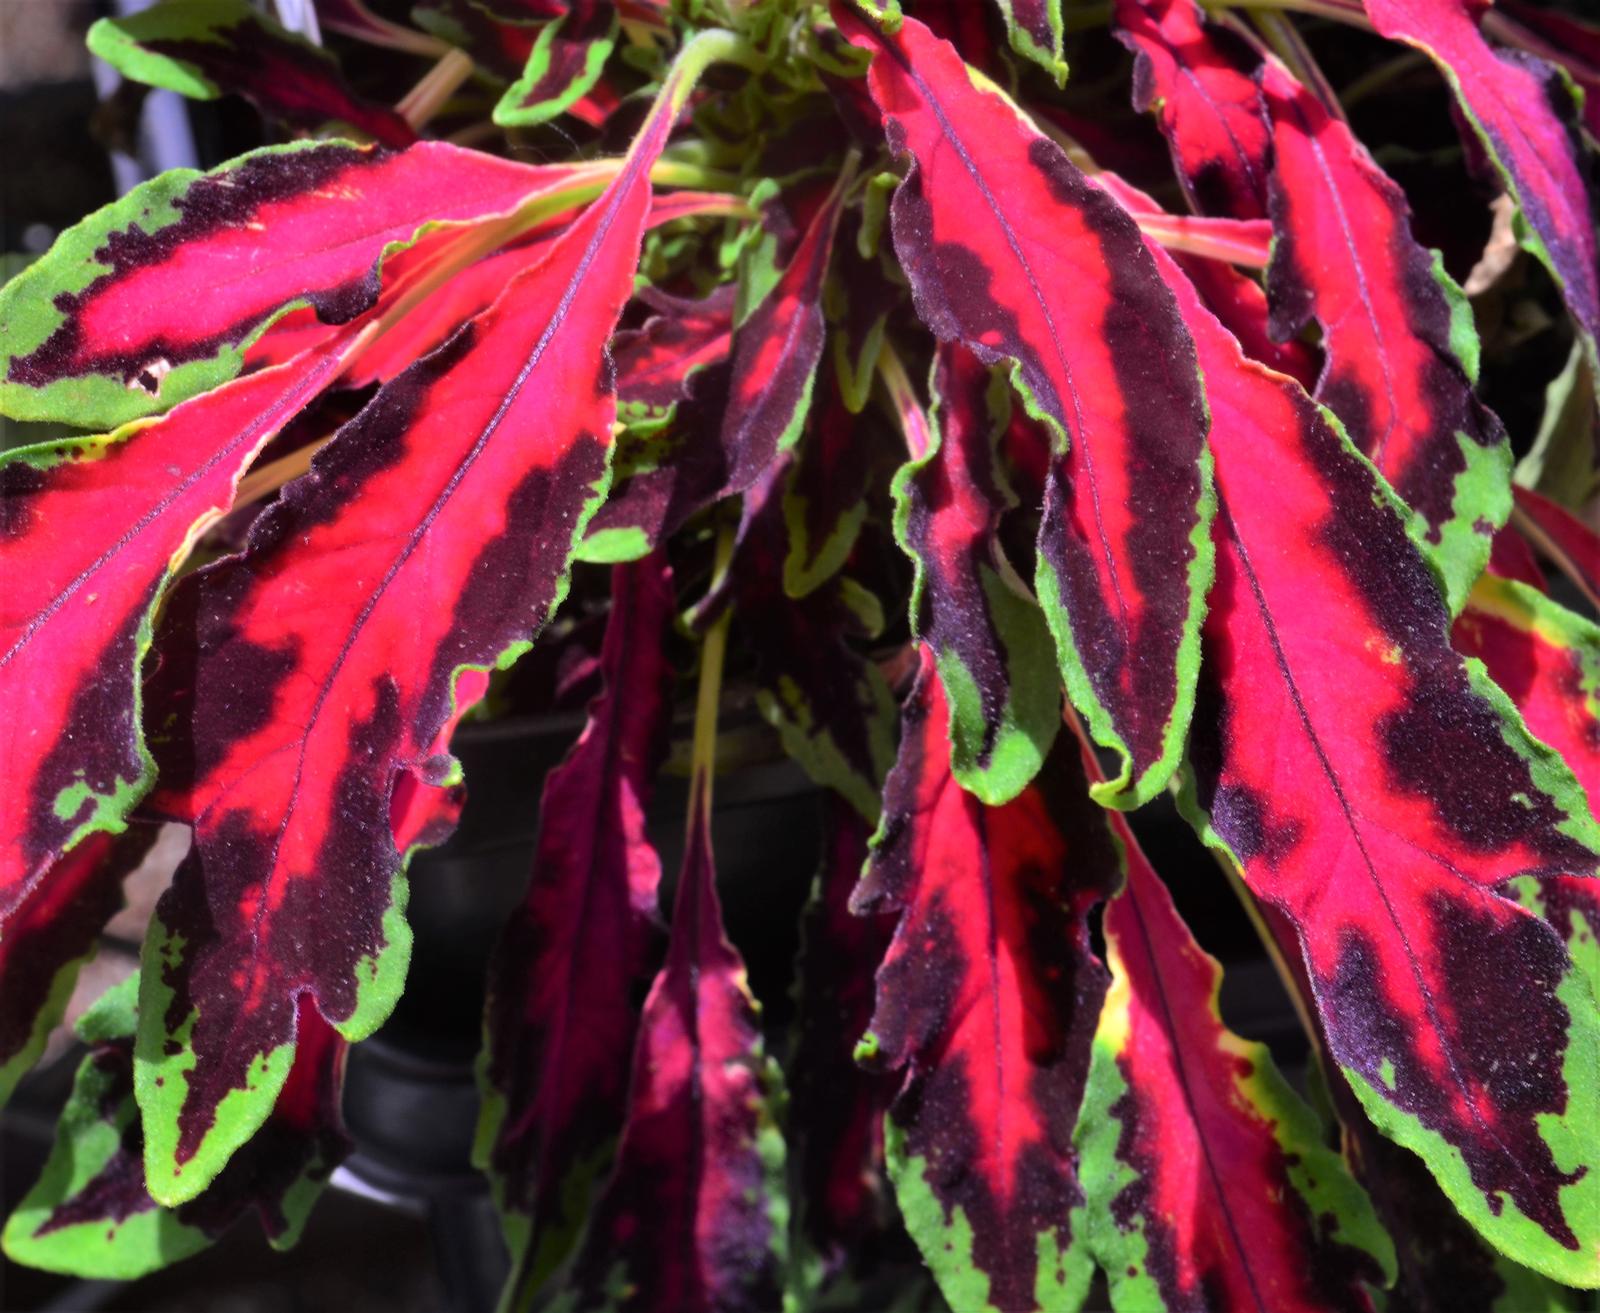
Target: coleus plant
902,377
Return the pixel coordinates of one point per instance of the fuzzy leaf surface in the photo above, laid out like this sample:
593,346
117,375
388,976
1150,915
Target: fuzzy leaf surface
434,534
1012,251
91,530
1400,349
1208,1183
90,1212
987,1000
692,1218
564,980
991,643
106,327
1525,112
1198,79
1378,792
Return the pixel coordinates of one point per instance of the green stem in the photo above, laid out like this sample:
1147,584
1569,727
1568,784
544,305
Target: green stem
1341,11
1377,78
703,754
1289,46
433,91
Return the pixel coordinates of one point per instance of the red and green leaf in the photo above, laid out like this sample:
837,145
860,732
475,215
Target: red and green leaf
1235,298
1199,81
1035,30
668,465
90,531
835,1108
776,348
106,328
1562,537
1401,352
693,1217
1208,1183
204,49
987,1000
1012,251
992,646
656,361
1380,792
1443,1265
90,1212
1561,39
1547,661
1525,114
564,980
565,62
50,935
431,537
467,291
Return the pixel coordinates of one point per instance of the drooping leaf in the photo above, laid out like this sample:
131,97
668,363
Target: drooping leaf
1035,30
1401,350
1208,1183
835,1108
1564,538
693,1218
1198,79
776,348
1561,38
831,706
564,980
990,641
50,935
90,1213
434,533
90,531
987,999
668,466
656,361
107,328
1525,113
566,60
210,48
1379,792
1547,661
1010,250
